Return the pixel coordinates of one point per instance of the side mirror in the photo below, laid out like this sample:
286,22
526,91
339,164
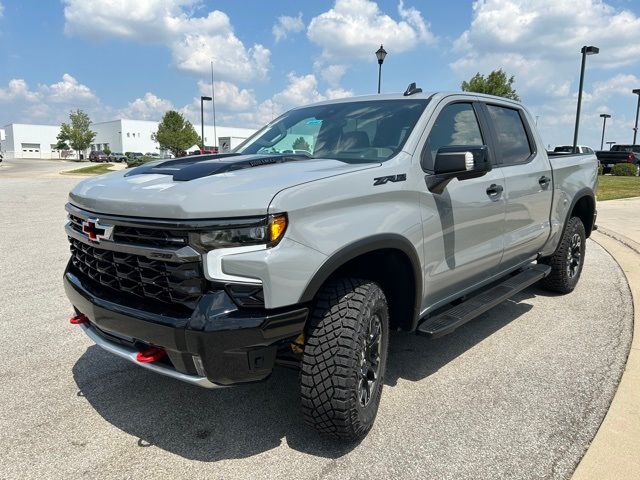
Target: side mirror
462,161
457,161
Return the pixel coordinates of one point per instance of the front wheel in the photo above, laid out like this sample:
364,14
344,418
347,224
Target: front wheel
344,358
567,261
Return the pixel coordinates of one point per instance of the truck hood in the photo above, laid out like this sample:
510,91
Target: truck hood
207,186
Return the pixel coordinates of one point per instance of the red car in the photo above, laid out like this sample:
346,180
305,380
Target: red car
98,156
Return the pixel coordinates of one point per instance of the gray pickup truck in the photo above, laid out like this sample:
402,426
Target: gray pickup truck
415,211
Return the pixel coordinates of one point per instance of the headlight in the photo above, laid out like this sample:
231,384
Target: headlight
267,231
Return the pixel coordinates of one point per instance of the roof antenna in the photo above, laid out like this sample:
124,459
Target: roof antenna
411,89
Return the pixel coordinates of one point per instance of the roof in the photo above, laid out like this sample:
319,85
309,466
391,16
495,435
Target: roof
401,96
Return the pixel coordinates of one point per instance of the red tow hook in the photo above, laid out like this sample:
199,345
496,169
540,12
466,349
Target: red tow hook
151,354
78,319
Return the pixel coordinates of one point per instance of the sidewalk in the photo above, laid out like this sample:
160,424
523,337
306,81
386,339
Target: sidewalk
615,450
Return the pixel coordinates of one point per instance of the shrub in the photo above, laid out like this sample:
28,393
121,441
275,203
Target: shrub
624,170
600,169
136,162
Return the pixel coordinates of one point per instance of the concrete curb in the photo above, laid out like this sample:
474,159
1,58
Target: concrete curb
615,450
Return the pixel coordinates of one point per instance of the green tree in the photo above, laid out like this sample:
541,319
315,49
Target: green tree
175,133
77,133
107,151
496,83
301,144
62,148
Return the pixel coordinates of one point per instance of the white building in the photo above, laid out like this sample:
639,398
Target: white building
120,136
30,141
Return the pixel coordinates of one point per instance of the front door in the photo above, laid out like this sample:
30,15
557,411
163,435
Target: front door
462,226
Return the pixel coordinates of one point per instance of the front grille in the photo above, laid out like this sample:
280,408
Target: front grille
172,283
143,236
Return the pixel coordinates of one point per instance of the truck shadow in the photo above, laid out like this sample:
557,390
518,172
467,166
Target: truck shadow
239,422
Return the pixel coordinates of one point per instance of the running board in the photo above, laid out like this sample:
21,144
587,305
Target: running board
447,321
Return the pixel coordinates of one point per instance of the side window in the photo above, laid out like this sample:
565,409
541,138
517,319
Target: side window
456,125
513,143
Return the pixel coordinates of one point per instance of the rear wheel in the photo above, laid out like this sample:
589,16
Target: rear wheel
567,261
344,359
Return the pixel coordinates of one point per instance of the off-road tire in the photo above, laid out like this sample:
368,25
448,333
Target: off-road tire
332,362
559,280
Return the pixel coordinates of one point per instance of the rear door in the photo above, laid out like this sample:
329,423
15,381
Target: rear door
463,225
528,183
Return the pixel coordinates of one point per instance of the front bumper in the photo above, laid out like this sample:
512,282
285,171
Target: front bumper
217,345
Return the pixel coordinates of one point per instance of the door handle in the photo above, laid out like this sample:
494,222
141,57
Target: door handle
494,190
544,181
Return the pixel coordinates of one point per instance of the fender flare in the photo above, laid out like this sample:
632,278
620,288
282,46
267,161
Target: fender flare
580,194
363,246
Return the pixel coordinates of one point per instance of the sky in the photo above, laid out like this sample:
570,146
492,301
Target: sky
138,58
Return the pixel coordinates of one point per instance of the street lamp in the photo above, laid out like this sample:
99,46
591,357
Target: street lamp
380,54
202,100
611,144
590,50
604,117
635,129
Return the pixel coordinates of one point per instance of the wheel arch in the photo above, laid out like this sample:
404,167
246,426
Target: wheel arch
583,206
372,258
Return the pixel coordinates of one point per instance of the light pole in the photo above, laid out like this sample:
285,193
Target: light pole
635,129
380,54
202,100
611,144
590,50
604,117
213,103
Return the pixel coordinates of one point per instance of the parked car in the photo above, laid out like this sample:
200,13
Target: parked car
569,149
98,156
619,154
416,212
117,157
134,155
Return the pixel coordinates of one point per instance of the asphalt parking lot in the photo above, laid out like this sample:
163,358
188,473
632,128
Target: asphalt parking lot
517,393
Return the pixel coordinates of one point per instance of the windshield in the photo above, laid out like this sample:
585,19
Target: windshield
353,132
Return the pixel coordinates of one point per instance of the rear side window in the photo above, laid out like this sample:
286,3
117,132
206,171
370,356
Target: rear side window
456,125
513,143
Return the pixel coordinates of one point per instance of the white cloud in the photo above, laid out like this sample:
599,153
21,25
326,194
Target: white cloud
300,90
557,117
69,90
620,84
355,28
17,89
193,41
286,25
49,103
1,10
149,107
539,40
228,95
332,74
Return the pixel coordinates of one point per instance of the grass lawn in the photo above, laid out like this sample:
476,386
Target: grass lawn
610,187
97,169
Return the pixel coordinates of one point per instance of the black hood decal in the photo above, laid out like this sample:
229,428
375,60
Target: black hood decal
190,168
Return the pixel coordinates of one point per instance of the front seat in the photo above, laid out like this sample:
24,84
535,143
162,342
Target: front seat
354,141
